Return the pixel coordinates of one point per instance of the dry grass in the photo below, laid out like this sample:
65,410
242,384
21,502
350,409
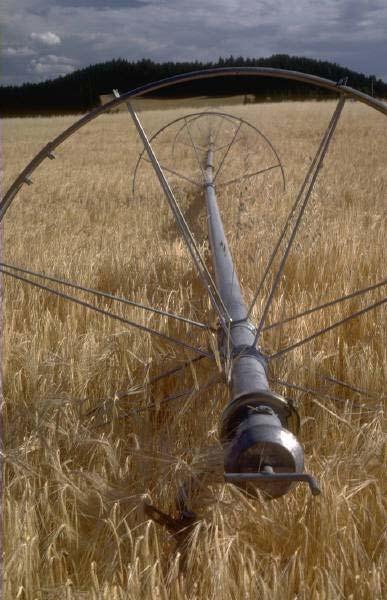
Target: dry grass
74,526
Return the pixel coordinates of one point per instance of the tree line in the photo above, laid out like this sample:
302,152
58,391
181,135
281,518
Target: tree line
80,91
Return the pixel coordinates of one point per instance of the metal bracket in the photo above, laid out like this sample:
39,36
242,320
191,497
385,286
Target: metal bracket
303,477
173,525
245,350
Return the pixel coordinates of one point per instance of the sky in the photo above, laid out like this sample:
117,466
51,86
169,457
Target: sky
42,39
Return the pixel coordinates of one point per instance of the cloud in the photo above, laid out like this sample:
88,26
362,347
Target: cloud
19,51
48,38
52,65
90,31
103,4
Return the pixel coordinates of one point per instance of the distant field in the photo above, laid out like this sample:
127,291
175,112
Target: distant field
173,103
80,457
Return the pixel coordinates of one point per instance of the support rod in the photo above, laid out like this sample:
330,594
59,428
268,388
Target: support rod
180,221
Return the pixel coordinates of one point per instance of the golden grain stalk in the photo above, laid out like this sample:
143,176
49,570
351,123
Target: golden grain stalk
77,468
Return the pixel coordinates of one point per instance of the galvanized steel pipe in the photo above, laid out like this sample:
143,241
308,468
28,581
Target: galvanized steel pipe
254,423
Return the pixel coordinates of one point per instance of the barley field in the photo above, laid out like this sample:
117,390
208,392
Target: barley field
89,433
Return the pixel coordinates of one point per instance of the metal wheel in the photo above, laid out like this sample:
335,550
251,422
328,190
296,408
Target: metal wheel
254,459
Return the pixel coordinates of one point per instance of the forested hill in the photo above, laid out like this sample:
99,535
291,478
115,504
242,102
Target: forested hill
80,90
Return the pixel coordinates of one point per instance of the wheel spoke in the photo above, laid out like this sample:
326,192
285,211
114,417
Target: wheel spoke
196,150
291,214
193,118
140,157
142,388
105,312
326,305
249,175
181,128
223,146
172,397
190,242
154,136
227,150
357,390
309,338
307,390
199,124
307,185
168,170
319,394
88,290
215,137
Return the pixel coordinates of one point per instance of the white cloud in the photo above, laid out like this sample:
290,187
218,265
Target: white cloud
59,60
52,65
19,51
48,38
350,33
